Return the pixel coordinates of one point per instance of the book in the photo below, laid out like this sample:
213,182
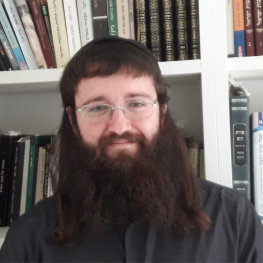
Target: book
249,28
46,173
168,31
40,174
35,142
112,17
20,33
123,18
44,9
5,58
194,156
258,24
141,17
100,18
193,30
239,28
6,161
230,28
8,50
16,181
72,25
26,141
85,21
131,18
59,32
12,38
42,33
181,30
257,153
31,33
155,30
2,65
240,143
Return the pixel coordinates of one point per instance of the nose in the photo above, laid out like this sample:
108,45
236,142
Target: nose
118,123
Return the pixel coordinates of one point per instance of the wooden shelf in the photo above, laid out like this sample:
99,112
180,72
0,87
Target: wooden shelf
34,81
246,68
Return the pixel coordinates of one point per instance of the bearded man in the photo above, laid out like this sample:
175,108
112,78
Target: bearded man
124,189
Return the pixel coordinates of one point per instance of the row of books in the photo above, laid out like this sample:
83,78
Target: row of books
197,158
245,27
246,147
35,34
24,173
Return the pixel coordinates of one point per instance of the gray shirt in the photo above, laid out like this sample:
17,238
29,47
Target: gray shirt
236,235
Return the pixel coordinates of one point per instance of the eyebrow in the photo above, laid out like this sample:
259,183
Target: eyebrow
129,95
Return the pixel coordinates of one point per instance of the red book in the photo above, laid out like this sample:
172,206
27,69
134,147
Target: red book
249,28
42,33
258,10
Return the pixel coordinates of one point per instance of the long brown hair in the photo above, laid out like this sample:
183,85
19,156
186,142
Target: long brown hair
182,212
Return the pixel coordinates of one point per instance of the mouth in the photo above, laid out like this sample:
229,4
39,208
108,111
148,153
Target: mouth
122,143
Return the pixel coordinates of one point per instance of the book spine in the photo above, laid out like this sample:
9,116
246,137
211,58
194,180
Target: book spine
2,65
31,33
123,18
100,18
59,31
141,22
45,14
112,17
249,28
194,40
16,182
181,22
131,18
258,24
72,25
155,34
20,33
257,146
5,58
85,21
168,30
8,50
42,33
230,28
12,39
240,140
239,28
46,174
193,152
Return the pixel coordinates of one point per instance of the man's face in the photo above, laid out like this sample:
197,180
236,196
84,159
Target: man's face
117,90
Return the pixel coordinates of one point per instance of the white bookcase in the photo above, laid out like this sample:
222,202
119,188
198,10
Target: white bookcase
30,101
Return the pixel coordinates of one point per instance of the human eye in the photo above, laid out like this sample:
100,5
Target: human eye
136,104
98,108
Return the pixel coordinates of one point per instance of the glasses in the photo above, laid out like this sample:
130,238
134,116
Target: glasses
134,110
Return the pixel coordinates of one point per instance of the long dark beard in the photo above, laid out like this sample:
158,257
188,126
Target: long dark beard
95,191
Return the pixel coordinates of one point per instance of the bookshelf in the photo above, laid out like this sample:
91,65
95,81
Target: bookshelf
30,101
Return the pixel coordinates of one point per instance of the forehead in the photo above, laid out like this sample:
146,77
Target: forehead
115,88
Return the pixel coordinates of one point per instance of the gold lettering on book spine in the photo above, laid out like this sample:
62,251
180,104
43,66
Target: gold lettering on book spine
142,22
168,30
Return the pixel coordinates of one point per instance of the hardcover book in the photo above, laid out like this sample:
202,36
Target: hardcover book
131,18
230,28
155,30
168,30
42,33
31,33
239,28
100,18
181,22
85,21
5,58
258,23
257,153
59,31
240,144
249,28
123,18
20,33
72,25
8,50
112,17
142,29
2,66
11,38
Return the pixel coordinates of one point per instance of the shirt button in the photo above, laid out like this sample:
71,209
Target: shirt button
131,226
